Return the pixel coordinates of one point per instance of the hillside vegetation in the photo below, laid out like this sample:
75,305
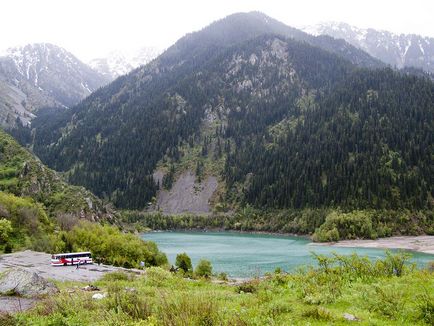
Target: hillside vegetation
23,175
38,210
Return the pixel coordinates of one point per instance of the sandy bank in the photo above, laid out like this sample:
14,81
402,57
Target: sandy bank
424,243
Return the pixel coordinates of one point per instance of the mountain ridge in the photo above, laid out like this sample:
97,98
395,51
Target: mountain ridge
397,50
214,104
42,75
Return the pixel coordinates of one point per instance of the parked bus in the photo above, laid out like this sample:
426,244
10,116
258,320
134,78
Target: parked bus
73,258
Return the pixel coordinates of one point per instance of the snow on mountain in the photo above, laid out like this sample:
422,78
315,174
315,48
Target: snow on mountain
42,75
121,62
400,50
51,69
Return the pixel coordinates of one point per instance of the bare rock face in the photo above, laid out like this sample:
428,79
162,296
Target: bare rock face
25,283
188,196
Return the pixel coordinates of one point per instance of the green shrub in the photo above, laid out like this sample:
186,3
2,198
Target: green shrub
130,303
385,300
318,287
338,225
222,276
8,248
113,246
5,230
318,313
188,310
203,268
276,308
183,262
395,264
425,304
158,276
251,286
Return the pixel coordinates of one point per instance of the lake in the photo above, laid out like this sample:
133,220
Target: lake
247,255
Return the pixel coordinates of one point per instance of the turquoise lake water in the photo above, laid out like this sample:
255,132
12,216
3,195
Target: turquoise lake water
246,255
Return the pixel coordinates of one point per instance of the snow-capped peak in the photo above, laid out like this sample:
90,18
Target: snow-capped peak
121,62
398,50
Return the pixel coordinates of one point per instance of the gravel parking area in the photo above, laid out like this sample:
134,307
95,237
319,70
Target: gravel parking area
40,263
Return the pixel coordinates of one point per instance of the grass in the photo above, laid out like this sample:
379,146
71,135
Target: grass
163,298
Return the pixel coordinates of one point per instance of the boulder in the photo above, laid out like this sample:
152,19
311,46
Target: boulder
350,317
99,296
22,282
90,287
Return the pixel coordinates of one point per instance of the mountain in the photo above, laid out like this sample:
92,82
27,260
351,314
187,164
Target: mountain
396,50
268,111
118,63
42,75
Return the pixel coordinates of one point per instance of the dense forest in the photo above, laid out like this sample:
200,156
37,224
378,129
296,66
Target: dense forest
368,143
295,125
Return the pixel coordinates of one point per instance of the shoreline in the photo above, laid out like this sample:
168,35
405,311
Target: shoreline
218,230
421,243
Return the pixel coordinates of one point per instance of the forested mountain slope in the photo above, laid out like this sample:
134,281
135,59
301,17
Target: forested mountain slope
123,136
368,143
289,123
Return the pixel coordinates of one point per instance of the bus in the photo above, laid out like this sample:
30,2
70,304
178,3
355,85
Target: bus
72,258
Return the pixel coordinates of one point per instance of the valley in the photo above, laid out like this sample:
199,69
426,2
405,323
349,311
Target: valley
252,173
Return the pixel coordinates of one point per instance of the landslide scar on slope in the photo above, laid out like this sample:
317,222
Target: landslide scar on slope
187,196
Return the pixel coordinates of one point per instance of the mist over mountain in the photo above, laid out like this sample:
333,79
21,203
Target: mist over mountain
252,103
397,50
118,63
42,75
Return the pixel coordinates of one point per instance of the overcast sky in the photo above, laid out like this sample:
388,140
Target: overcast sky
91,28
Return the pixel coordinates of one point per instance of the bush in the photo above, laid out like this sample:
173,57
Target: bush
248,287
395,264
222,276
127,302
189,310
183,262
426,307
113,246
8,248
203,268
338,225
157,276
430,266
5,230
318,313
385,300
319,286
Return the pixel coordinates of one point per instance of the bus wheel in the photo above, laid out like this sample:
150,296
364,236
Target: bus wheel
64,264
